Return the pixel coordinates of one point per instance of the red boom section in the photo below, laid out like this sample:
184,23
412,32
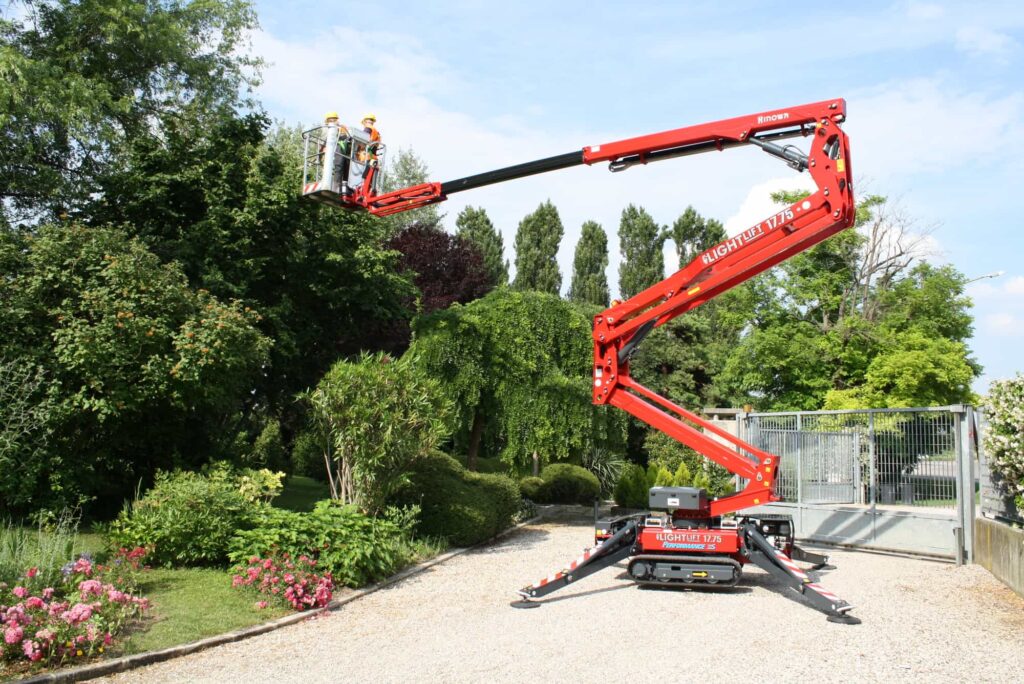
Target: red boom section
619,329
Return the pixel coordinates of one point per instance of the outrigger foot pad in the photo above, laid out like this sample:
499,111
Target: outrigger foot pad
844,619
524,603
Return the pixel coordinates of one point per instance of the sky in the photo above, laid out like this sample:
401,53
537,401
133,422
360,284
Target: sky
934,92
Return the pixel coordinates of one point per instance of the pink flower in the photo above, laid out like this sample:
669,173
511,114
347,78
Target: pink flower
20,592
82,565
45,635
48,593
261,604
90,588
267,564
80,612
34,603
31,650
116,596
13,634
32,572
107,638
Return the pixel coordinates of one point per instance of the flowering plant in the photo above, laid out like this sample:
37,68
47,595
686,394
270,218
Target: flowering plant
1004,438
77,618
285,581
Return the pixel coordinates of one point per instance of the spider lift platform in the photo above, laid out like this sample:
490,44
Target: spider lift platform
695,543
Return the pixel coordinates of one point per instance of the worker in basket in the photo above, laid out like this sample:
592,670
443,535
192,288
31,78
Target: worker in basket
369,155
342,154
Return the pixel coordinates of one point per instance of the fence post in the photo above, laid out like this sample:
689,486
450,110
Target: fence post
871,462
799,459
965,479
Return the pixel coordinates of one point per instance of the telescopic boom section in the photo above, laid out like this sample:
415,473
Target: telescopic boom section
619,329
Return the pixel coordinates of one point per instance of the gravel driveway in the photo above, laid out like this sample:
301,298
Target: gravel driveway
922,621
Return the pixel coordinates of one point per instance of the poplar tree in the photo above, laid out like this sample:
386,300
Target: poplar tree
589,282
536,246
474,226
640,243
693,234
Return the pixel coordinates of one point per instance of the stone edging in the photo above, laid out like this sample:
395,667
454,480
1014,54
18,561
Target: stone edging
132,662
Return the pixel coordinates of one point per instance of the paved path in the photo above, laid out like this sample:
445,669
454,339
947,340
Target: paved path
922,621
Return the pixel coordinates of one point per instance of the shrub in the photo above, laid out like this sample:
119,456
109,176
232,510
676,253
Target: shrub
354,548
606,465
378,415
682,477
664,478
268,449
187,518
652,474
459,505
568,484
308,455
632,489
285,582
74,618
1004,438
532,488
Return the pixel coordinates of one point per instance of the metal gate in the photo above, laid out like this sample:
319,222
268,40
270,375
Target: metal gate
889,479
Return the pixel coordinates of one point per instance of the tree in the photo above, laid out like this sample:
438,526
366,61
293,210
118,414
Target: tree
640,243
857,321
474,226
405,170
142,371
589,282
445,269
378,416
219,198
537,242
693,234
517,365
82,79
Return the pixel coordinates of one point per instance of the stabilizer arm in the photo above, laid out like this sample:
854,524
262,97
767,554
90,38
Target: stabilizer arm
609,552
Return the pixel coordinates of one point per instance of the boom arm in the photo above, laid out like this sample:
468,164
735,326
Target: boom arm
620,329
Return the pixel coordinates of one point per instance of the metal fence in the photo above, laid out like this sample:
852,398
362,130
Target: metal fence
879,457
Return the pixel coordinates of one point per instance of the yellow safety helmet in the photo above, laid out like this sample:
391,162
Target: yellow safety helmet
371,117
330,115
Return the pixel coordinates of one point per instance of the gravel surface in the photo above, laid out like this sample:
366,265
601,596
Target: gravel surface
922,621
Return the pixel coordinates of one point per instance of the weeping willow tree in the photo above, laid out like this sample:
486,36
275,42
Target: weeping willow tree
517,365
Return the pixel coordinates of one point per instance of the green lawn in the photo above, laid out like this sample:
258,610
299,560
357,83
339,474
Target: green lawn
301,493
192,604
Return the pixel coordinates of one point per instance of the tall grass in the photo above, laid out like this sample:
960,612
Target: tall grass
48,548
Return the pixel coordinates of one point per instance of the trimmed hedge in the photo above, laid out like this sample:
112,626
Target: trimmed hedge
462,506
532,488
565,483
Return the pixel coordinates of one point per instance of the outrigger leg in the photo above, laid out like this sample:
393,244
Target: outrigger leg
609,552
779,565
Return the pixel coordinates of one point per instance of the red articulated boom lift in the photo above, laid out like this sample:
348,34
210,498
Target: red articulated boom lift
690,544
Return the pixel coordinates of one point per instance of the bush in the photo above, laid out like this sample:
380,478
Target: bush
664,478
632,489
378,415
606,465
461,506
354,548
187,518
1004,437
72,619
532,488
308,455
682,478
569,484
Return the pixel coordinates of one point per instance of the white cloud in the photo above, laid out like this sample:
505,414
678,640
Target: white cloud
758,204
1004,324
1015,285
985,42
925,11
931,126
